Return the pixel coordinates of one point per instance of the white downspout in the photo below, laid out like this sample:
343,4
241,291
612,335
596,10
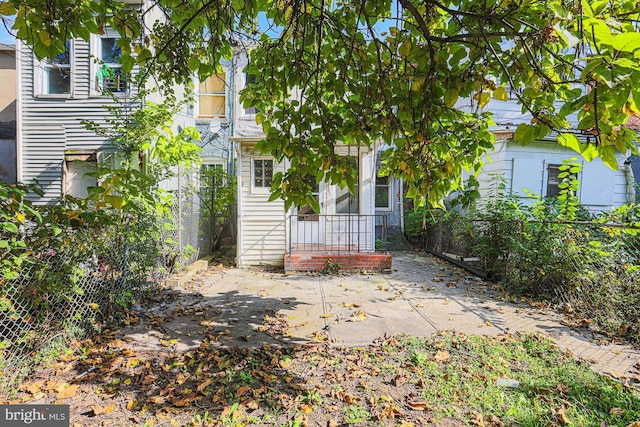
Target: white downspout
238,204
629,179
18,61
401,201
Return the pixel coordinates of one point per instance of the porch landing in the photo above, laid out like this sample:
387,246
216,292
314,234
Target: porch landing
349,261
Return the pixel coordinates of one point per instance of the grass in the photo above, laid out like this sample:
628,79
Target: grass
449,379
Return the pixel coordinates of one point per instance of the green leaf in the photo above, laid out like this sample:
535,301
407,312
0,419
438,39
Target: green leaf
10,227
608,155
569,140
501,94
450,97
524,134
626,42
7,9
405,49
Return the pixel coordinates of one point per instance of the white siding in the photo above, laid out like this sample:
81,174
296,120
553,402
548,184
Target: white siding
52,125
525,167
261,224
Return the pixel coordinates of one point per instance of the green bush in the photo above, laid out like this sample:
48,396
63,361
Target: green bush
556,250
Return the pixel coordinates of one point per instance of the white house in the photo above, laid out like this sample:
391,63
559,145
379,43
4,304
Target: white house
533,169
267,235
54,96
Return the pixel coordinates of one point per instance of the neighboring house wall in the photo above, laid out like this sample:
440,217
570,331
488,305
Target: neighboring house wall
213,109
527,168
8,86
7,114
55,96
50,128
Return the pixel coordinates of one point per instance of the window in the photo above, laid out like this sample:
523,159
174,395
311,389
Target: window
262,173
250,79
347,203
56,73
211,177
212,97
109,74
553,181
382,193
76,169
306,212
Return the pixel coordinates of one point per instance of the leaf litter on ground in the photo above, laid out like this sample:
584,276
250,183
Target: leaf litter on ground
447,379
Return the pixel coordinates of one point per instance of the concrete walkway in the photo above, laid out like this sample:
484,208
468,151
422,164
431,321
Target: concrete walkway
422,295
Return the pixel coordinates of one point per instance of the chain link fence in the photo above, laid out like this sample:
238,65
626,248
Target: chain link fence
588,267
80,277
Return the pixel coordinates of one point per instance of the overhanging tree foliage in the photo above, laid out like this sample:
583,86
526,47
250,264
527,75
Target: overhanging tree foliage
383,70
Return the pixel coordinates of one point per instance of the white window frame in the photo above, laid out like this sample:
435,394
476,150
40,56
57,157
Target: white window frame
212,162
41,86
224,93
254,187
96,55
388,208
242,84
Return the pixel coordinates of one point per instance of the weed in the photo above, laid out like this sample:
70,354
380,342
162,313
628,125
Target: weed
332,267
312,397
355,414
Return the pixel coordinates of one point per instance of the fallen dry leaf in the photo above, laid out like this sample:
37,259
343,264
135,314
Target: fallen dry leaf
616,374
441,356
131,405
478,420
99,410
242,391
358,316
204,385
562,416
306,409
35,387
616,411
67,392
326,315
399,380
419,406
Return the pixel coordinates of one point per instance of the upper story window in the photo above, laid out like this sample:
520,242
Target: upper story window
56,73
249,79
212,98
109,73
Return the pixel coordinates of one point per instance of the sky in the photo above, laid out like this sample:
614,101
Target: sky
5,37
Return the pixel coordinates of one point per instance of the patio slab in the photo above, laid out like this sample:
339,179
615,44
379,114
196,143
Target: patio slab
422,295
